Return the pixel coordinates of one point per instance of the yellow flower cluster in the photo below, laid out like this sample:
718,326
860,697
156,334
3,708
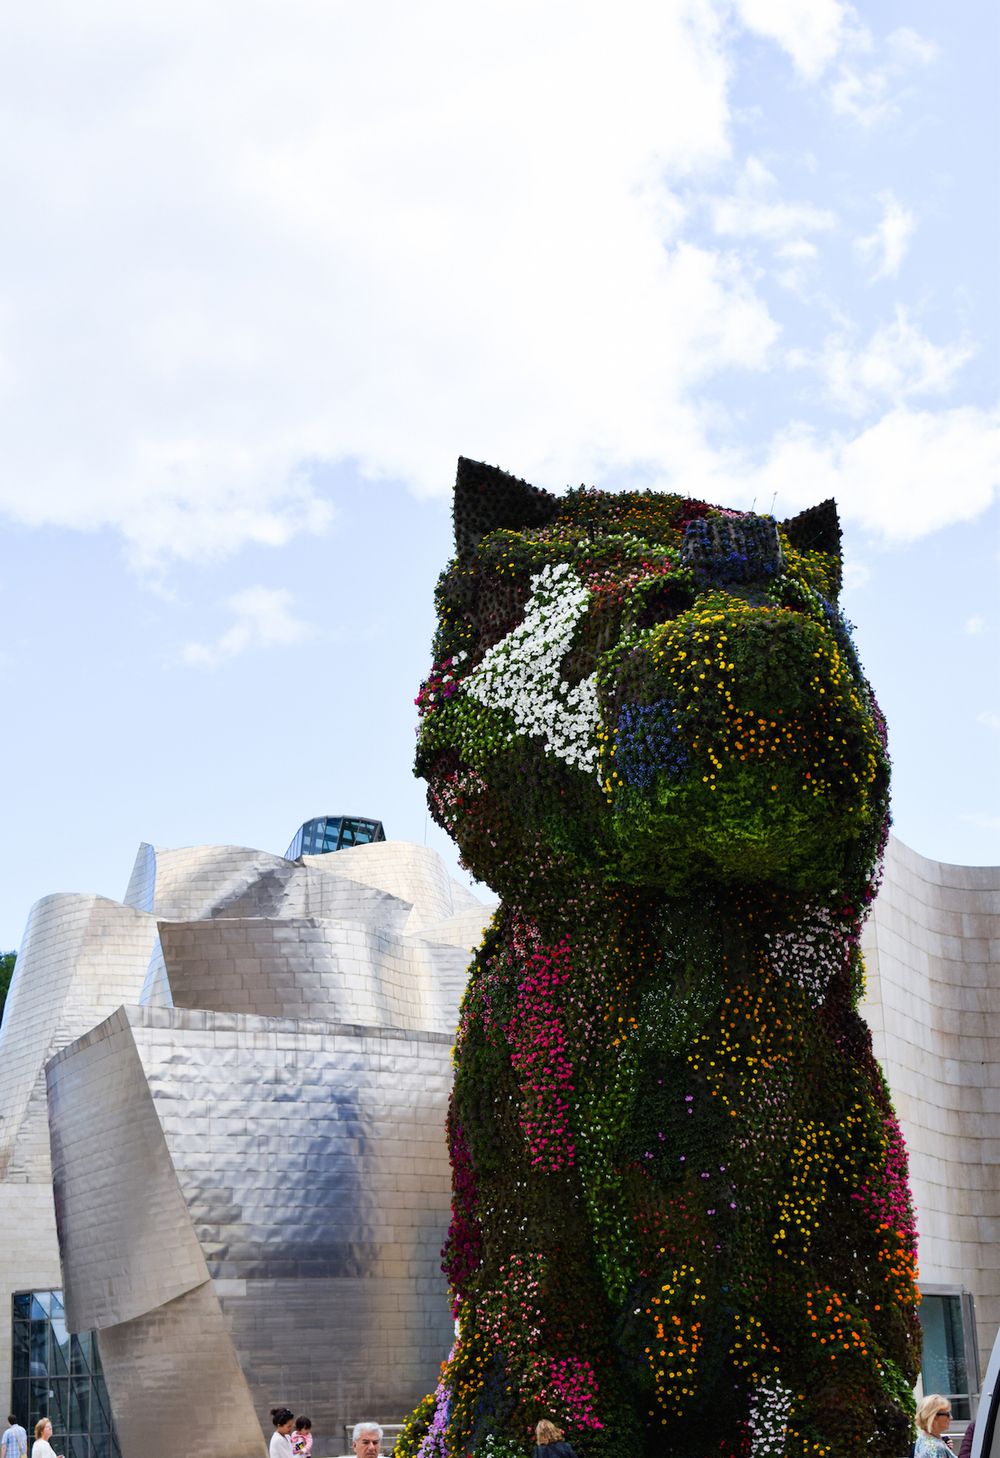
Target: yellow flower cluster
673,1362
750,1038
810,1160
693,660
751,1343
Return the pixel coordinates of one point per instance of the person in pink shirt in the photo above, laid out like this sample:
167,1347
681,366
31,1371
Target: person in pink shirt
302,1438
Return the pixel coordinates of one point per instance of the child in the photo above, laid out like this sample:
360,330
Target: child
302,1438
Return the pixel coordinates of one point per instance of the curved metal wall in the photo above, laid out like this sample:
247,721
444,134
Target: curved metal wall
258,1152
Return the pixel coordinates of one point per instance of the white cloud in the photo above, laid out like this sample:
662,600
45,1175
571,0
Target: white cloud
239,241
872,94
857,574
906,475
975,625
990,718
883,249
897,363
812,32
903,477
262,619
907,47
221,278
753,210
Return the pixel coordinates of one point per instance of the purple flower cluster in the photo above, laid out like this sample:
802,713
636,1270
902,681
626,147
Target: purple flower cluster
648,743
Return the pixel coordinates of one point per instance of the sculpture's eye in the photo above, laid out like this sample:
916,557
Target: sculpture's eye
499,605
663,603
596,633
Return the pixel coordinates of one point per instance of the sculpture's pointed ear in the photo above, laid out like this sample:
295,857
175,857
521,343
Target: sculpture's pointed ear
487,498
817,530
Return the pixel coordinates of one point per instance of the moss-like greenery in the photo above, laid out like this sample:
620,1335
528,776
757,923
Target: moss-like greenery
681,1222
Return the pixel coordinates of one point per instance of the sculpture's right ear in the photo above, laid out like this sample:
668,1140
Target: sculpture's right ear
487,498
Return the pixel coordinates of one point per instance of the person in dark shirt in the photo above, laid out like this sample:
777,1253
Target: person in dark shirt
549,1442
966,1448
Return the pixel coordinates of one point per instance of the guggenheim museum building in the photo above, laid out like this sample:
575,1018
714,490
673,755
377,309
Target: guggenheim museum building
223,1175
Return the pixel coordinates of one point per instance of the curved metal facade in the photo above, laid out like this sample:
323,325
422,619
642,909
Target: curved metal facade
250,1173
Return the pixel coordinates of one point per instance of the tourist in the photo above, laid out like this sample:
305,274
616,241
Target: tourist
367,1440
933,1417
281,1444
14,1443
41,1447
302,1438
549,1442
966,1449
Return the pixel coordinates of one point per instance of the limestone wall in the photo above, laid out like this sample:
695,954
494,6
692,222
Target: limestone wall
932,949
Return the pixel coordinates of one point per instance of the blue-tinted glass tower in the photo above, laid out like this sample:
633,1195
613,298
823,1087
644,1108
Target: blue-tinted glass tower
333,833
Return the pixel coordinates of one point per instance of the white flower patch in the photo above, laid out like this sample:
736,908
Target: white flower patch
812,952
520,674
769,1409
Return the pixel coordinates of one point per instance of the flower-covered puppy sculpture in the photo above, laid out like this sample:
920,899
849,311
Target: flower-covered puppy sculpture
681,1222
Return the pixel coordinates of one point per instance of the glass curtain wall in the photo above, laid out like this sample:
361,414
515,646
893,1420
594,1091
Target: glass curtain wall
332,833
58,1376
950,1361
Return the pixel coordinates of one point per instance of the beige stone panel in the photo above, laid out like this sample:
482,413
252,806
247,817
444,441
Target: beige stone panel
932,992
29,1254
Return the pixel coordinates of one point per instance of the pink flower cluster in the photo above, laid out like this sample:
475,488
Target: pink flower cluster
570,1389
439,685
464,1248
513,1317
609,583
889,1200
540,1056
452,793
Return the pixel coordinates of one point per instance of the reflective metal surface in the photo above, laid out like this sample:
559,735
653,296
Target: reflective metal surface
80,957
251,1179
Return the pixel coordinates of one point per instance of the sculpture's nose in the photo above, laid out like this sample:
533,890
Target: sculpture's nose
724,549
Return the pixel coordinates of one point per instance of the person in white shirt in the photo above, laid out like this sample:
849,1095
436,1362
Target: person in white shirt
367,1440
281,1444
41,1447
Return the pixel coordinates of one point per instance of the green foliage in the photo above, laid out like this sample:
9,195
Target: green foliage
7,961
681,1220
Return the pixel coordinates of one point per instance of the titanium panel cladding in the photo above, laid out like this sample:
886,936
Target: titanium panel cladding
310,1165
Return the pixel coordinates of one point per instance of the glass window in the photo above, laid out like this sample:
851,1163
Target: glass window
950,1362
333,832
80,1354
38,1356
58,1375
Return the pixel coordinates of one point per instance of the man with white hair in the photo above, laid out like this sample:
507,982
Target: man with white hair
367,1440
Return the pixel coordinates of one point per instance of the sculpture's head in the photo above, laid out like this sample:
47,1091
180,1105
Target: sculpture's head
645,689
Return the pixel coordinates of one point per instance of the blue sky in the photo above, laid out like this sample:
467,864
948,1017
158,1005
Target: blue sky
268,270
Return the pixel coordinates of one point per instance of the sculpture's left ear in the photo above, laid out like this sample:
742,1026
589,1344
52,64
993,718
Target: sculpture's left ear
487,498
817,530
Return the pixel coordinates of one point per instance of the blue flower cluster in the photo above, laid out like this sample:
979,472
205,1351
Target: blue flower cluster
647,742
732,548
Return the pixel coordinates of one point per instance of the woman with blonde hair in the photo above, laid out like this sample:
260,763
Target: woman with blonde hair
933,1417
549,1442
41,1447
